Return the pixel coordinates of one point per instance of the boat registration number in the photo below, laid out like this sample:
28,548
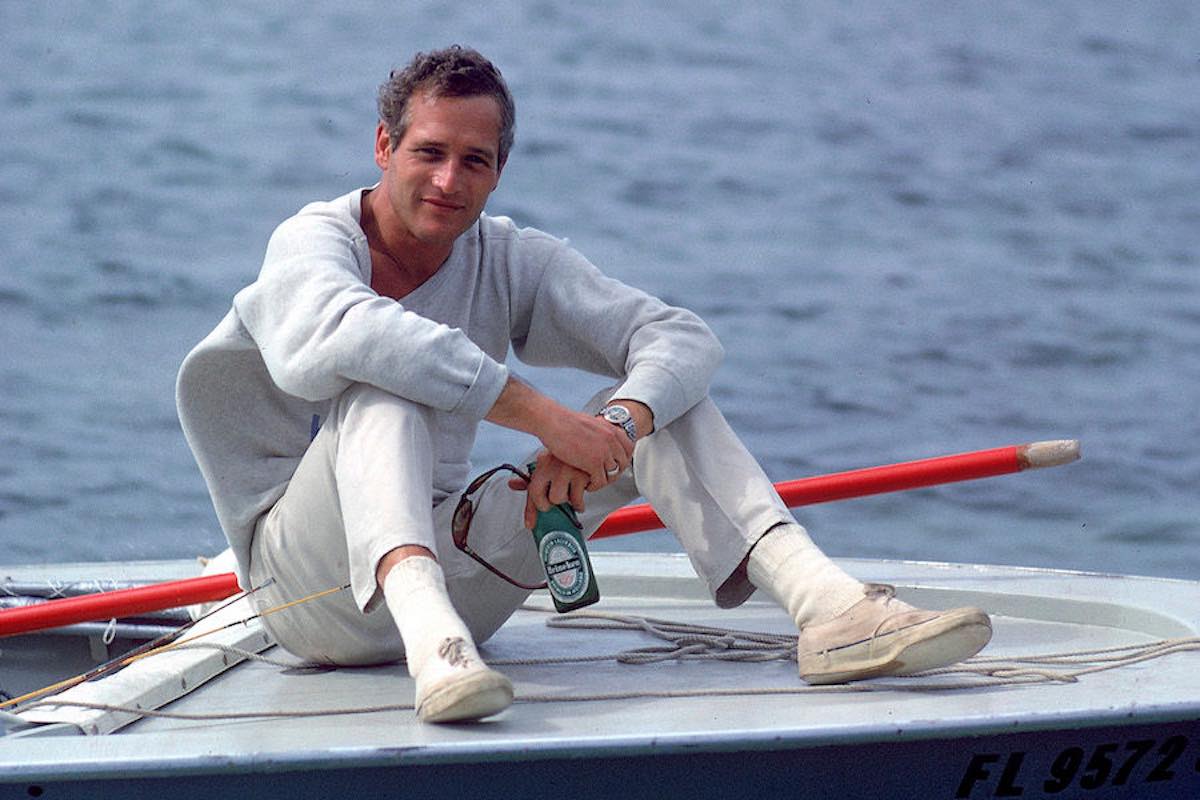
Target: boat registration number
1100,766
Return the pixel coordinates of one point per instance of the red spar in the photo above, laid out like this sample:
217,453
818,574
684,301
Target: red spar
877,480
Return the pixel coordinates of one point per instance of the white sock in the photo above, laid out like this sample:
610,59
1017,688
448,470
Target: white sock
788,566
415,591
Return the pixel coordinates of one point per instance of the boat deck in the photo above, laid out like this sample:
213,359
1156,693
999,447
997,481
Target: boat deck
624,724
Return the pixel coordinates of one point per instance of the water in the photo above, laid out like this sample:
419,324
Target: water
919,228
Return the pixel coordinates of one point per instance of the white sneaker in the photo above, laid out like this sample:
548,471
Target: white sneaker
880,635
454,685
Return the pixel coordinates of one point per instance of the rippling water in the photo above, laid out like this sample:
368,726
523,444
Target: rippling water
924,229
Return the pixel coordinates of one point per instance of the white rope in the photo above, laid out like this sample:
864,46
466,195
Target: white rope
1086,662
684,642
222,715
687,642
694,642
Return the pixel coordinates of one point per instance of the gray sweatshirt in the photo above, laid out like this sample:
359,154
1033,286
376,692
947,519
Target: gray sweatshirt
252,393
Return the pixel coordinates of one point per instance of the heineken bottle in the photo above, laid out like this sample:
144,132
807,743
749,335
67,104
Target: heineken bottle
563,550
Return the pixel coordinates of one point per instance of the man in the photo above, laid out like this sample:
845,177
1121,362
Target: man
332,414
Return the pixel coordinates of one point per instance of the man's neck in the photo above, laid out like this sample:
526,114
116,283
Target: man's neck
399,263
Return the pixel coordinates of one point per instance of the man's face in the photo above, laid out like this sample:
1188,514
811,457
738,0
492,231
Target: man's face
445,167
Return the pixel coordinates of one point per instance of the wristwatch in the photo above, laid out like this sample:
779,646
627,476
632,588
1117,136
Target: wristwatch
619,415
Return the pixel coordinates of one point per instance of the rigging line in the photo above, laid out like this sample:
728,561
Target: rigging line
113,664
244,621
601,620
910,684
218,716
1086,662
1100,654
172,641
305,599
157,645
1015,671
656,694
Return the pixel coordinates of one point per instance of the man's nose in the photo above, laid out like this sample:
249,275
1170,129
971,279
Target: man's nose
445,177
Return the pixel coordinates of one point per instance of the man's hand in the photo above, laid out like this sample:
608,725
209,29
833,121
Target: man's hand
581,440
589,444
554,481
583,452
600,451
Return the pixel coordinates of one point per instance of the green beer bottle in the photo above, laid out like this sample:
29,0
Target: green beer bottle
563,550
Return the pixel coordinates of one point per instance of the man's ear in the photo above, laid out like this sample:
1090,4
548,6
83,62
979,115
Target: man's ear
383,146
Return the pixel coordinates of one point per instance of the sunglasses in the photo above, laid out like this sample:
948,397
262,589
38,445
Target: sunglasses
464,512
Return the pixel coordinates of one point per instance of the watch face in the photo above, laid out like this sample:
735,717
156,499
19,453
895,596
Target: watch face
617,414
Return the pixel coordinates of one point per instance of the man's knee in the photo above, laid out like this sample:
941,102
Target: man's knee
363,398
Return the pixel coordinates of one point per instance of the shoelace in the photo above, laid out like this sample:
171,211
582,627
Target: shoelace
885,593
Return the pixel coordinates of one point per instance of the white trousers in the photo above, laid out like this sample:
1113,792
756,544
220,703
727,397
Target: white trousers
365,487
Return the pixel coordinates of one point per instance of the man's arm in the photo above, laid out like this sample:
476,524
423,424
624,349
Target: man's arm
568,313
581,450
320,328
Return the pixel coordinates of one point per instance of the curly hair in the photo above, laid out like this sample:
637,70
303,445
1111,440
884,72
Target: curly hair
452,72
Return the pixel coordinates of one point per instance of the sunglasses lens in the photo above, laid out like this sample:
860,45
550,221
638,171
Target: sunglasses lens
461,522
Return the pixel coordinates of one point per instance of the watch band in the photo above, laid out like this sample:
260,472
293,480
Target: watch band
619,415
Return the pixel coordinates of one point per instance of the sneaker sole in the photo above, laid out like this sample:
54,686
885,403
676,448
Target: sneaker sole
467,700
949,638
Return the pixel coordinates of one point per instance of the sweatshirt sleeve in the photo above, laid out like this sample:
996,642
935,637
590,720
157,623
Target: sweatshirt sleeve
320,328
664,356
